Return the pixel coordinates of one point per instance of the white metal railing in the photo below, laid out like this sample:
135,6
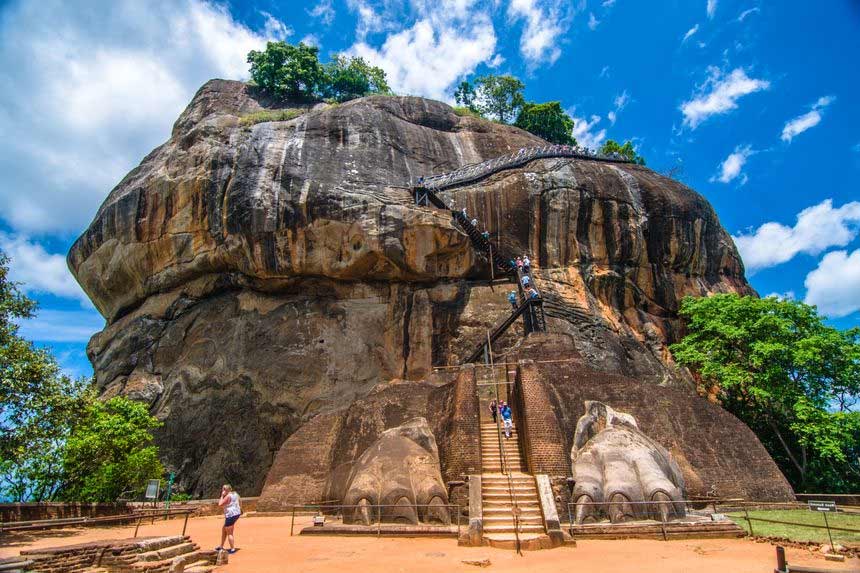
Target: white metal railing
479,170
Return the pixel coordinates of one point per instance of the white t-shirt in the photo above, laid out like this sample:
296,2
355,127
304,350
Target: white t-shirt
232,508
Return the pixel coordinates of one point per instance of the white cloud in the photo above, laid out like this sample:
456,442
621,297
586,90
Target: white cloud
274,28
731,167
621,100
497,61
584,131
428,58
612,117
608,3
604,72
787,295
545,23
311,40
711,8
749,12
87,90
324,11
719,94
834,286
817,228
62,326
690,33
40,271
801,123
592,22
369,20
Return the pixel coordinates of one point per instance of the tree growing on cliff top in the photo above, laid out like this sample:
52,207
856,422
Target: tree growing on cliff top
547,120
295,72
794,380
627,151
493,96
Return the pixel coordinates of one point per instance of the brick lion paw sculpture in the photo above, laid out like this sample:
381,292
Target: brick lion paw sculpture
614,464
400,472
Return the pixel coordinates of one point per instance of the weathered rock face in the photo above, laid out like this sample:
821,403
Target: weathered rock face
255,277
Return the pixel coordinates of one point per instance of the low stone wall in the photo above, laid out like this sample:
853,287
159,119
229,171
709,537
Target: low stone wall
13,512
852,499
202,507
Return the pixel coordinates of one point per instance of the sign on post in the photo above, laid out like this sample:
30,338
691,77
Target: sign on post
822,505
152,488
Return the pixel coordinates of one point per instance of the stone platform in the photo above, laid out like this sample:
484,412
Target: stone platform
696,528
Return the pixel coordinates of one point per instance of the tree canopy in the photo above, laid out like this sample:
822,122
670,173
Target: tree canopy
627,151
53,443
498,97
547,120
289,71
794,380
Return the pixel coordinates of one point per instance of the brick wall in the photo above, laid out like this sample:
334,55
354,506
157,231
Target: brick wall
459,439
541,437
35,511
712,447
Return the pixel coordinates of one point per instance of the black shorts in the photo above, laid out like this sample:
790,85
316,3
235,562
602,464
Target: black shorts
229,521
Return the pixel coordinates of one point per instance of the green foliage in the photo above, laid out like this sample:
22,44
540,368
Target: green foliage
110,450
56,440
180,497
497,97
36,402
794,380
270,115
465,95
295,72
547,120
467,112
350,78
287,71
626,151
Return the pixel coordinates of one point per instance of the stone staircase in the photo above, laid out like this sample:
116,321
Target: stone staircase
503,495
172,554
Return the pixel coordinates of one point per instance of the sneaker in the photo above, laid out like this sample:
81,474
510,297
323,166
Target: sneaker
219,548
231,551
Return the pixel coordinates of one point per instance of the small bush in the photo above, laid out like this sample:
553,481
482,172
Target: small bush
466,112
270,115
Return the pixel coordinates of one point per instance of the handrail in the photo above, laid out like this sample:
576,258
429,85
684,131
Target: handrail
477,171
501,328
503,454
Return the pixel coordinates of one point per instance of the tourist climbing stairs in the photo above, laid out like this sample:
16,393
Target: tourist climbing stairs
511,509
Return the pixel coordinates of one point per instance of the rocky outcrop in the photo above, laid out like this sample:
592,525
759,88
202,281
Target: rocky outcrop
255,277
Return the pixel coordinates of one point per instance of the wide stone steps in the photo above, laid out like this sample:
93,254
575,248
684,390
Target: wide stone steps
167,552
509,528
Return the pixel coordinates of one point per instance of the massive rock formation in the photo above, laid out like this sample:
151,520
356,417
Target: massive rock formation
255,277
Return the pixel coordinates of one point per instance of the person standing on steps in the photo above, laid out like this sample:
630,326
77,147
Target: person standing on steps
486,235
525,281
494,409
507,418
512,298
232,510
475,223
519,264
527,265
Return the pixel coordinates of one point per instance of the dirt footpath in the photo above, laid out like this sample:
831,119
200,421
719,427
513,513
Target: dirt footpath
266,547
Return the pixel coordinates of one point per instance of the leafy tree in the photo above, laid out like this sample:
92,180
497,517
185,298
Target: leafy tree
626,151
499,97
547,120
794,380
287,71
109,451
465,95
36,402
349,78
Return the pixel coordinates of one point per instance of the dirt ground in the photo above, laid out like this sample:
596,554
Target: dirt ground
266,547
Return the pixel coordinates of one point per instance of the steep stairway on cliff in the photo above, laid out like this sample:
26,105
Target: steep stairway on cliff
509,497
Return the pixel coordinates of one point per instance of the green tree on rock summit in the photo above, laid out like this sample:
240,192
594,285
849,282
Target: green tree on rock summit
493,96
547,120
627,151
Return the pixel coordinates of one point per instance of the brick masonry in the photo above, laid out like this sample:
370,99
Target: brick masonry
314,462
712,447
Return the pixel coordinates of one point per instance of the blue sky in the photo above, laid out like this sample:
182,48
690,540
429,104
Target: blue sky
755,102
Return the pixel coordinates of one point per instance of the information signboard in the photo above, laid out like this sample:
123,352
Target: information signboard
822,505
152,489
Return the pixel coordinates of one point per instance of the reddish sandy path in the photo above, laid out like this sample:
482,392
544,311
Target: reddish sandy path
266,547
